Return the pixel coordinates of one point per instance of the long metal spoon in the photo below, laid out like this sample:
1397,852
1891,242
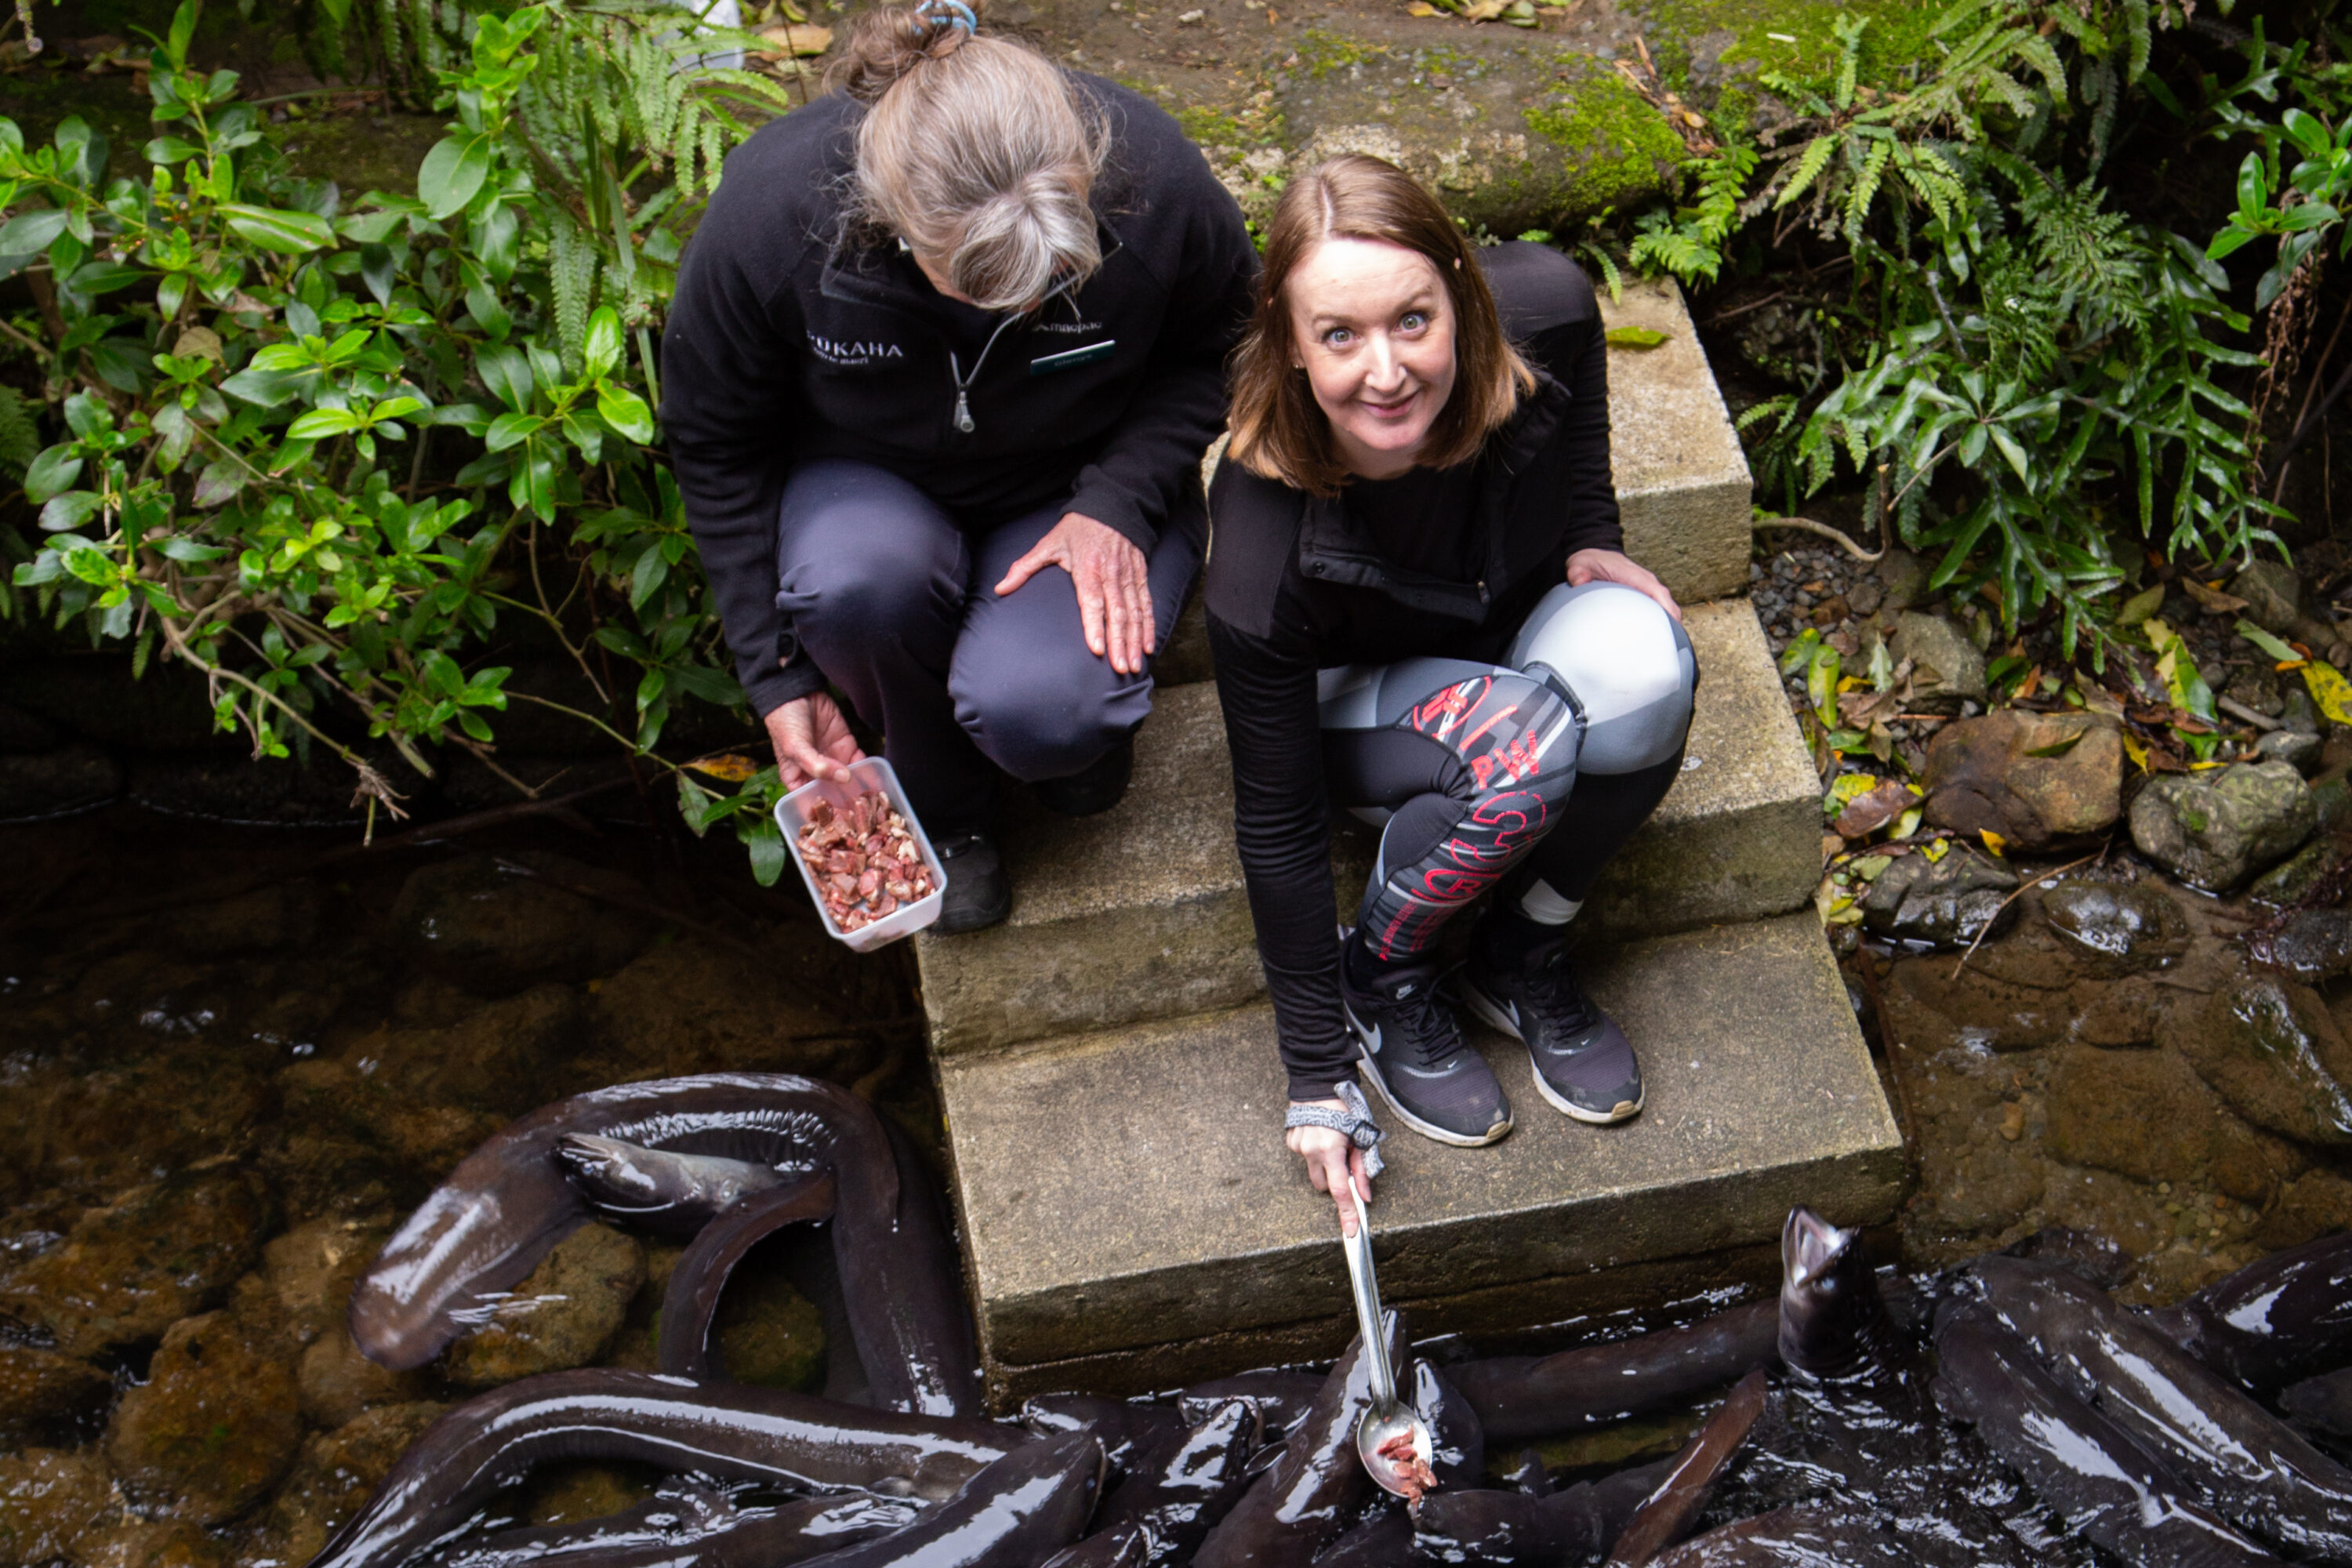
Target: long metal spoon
1389,1417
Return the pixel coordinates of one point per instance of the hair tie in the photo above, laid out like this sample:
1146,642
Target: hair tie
958,14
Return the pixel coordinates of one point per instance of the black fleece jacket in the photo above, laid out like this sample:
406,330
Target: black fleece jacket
1298,584
790,340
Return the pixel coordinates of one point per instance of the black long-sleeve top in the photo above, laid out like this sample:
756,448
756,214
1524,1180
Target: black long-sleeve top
1446,562
792,339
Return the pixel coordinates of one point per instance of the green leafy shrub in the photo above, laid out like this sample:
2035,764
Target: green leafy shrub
321,454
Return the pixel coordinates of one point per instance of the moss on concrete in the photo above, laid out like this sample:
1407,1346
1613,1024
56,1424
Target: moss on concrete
1619,148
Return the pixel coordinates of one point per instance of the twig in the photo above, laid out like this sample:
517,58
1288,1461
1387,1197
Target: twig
2238,709
1826,531
2099,854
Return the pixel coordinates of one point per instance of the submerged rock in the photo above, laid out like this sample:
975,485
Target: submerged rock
1948,903
2314,945
214,1425
497,1058
2125,926
1985,774
496,924
2126,1013
157,1255
2214,831
562,1315
2149,1116
2268,1047
2293,879
769,1332
339,1384
51,1499
312,1270
150,1544
334,1475
50,784
42,1385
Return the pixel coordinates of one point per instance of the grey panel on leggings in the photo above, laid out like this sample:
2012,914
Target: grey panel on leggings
1375,695
1629,665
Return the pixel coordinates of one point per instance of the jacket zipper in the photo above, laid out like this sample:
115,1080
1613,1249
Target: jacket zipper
964,420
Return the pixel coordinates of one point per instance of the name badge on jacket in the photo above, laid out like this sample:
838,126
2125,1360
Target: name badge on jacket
1046,364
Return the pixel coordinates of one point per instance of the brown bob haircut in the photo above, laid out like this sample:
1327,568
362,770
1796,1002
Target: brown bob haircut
1278,430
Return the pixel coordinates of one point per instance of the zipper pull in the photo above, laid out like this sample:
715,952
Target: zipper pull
963,412
1482,592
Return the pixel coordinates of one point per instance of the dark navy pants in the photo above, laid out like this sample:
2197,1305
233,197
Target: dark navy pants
896,604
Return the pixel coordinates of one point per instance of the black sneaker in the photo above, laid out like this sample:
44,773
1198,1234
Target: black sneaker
1584,1063
1097,787
1415,1058
978,892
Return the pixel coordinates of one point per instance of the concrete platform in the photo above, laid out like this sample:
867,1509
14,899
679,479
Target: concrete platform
1131,1219
1140,913
1683,485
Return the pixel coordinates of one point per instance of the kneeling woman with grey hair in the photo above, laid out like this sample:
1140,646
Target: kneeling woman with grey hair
945,353
1420,609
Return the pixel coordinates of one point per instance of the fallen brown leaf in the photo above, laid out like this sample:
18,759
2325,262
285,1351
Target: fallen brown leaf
796,39
1869,811
2212,601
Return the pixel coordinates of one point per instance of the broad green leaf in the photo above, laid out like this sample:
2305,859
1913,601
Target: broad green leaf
2140,606
511,430
54,471
104,276
275,228
625,412
1636,337
452,172
172,150
2246,629
29,232
322,422
69,510
507,373
602,350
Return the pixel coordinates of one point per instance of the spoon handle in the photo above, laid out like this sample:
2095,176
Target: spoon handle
1358,1249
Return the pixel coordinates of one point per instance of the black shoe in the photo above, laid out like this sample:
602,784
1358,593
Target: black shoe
1584,1063
1097,786
978,892
1416,1061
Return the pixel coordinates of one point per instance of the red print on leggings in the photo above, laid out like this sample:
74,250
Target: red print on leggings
1437,717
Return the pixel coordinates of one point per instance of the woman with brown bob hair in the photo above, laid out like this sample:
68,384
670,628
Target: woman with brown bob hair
1421,610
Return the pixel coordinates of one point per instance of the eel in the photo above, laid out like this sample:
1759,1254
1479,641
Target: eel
1381,1541
510,1201
1178,1498
1519,1398
2082,1465
683,1509
1020,1510
658,1188
1529,1475
1318,1488
1792,1538
2278,1319
752,1537
1282,1399
1134,1436
689,1316
2251,1468
1834,1326
1124,1545
1667,1515
730,1431
1572,1524
2323,1404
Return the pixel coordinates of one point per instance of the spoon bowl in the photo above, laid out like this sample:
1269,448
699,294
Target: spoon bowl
1401,1470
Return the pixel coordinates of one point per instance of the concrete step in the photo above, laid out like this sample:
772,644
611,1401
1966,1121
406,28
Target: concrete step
1132,1220
1683,485
1140,913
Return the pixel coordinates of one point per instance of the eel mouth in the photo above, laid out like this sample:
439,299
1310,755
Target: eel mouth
1811,1246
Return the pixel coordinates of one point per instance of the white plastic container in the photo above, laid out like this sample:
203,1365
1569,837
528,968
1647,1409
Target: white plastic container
866,776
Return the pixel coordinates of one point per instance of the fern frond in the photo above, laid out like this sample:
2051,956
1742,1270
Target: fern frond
1809,164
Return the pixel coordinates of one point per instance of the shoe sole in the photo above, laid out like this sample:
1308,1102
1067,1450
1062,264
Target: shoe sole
1494,1018
1430,1129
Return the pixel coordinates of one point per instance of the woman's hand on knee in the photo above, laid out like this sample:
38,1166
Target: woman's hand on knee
812,740
1610,566
1333,1164
1114,590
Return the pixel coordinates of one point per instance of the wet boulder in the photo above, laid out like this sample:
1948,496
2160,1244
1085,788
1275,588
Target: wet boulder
691,1006
150,1544
333,1476
497,924
2268,1047
339,1384
38,1385
158,1254
2126,1013
1945,668
51,783
2312,946
2121,927
51,1499
494,1058
562,1315
2298,877
311,1268
2214,829
2149,1116
2315,1204
1948,902
214,1425
2040,780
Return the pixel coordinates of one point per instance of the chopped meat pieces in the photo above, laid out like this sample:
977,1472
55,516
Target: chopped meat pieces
863,859
1412,1472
